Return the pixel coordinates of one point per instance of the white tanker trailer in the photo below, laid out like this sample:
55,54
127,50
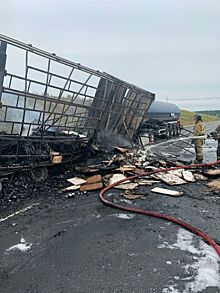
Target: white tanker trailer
162,121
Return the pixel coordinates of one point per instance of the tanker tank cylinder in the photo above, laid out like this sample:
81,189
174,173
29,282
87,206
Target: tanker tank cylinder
164,117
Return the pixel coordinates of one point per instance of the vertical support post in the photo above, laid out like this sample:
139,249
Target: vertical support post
3,46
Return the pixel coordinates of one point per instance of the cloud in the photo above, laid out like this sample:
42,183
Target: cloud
169,47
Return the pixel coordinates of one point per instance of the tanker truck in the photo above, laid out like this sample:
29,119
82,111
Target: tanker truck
162,121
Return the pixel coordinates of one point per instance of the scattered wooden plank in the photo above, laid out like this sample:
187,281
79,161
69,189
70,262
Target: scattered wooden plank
76,180
117,177
147,181
177,172
92,186
150,168
125,168
126,186
167,191
139,171
214,185
131,196
213,172
188,176
170,179
200,177
94,179
72,187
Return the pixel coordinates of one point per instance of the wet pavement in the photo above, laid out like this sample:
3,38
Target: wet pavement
184,150
77,244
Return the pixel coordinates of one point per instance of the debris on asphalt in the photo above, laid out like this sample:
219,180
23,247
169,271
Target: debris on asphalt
124,216
101,168
178,172
91,186
139,171
69,195
23,246
76,180
214,185
55,157
125,185
167,191
117,177
125,168
131,196
188,176
147,181
212,172
201,177
72,187
170,178
92,183
94,179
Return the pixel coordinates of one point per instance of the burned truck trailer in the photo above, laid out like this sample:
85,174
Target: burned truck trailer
161,120
51,109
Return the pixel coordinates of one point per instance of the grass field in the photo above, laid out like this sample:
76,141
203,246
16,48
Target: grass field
186,118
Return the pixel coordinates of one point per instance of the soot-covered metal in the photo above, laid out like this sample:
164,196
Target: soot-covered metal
50,106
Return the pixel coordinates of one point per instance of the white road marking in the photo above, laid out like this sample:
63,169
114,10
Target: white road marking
19,212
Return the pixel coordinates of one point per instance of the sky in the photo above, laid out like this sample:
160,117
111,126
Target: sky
169,47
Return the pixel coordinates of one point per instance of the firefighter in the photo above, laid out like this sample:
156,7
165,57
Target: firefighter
198,130
218,138
216,135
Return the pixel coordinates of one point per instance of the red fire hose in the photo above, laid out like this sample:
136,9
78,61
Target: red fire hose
158,215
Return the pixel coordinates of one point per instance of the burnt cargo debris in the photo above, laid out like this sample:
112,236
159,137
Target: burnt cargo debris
53,109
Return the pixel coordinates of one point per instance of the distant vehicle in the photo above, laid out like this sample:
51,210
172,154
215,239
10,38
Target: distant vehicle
162,121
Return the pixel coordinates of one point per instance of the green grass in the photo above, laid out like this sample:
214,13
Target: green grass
186,118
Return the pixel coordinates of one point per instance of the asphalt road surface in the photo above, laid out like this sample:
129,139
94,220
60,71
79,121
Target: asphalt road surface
77,244
183,148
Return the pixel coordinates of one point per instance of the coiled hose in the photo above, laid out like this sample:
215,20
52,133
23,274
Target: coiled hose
158,215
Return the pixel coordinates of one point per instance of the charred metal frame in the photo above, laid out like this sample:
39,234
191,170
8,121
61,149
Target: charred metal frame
58,104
